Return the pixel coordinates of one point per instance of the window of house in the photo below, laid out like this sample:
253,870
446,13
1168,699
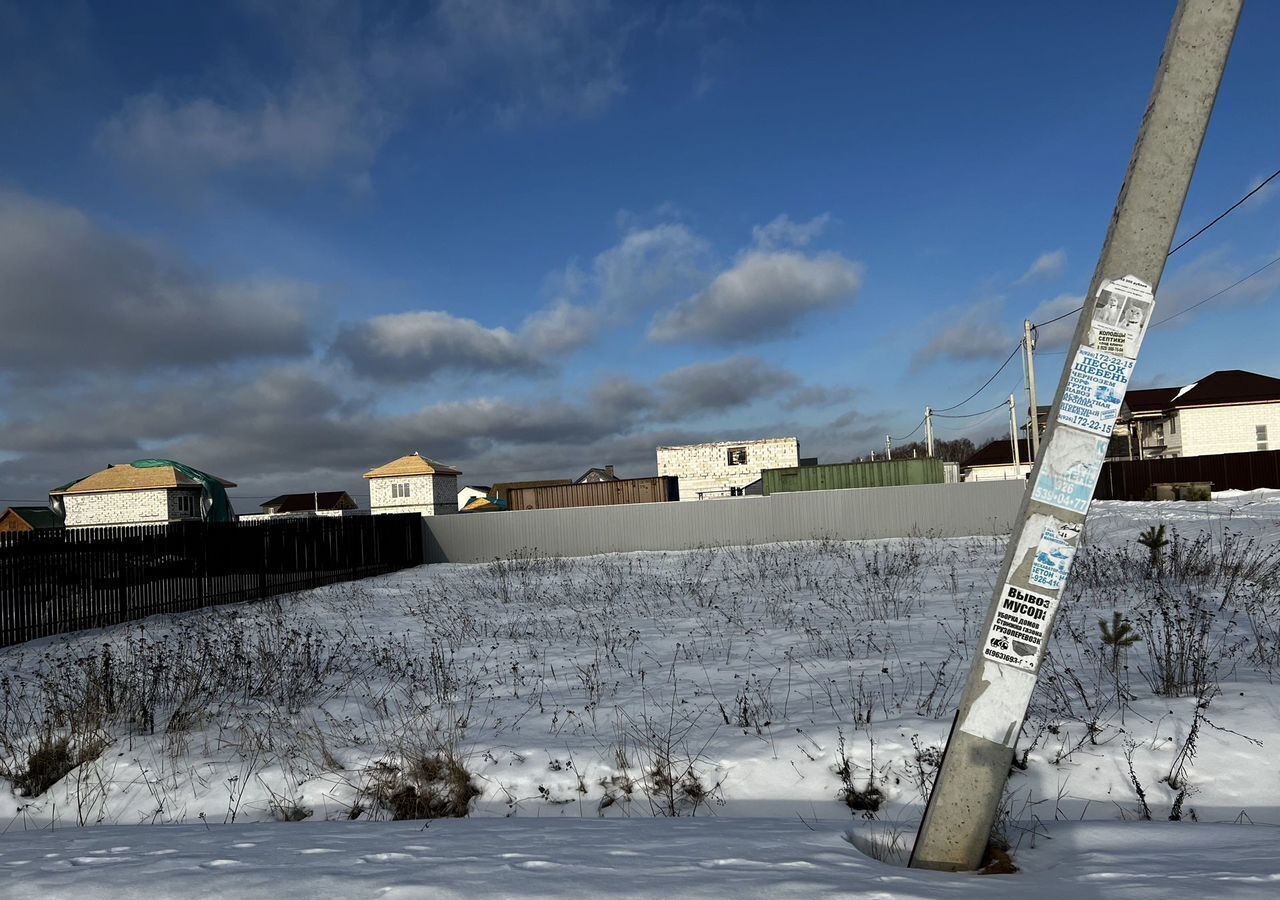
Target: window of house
1173,424
186,505
737,456
400,489
1260,432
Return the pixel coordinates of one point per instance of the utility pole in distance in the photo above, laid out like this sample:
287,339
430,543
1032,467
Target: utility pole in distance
1013,434
888,447
1117,311
1029,347
928,429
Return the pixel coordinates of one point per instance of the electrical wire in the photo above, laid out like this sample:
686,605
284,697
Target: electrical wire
1225,213
913,431
1230,209
1003,403
1016,348
1219,294
1057,319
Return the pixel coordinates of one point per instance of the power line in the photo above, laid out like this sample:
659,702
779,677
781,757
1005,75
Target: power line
1219,294
1226,213
913,431
1002,403
1232,208
1059,318
987,384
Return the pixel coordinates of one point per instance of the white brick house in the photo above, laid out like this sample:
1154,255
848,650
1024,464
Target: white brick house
994,462
124,495
725,468
1227,412
413,483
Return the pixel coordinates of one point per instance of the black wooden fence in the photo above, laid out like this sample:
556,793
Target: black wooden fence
1129,479
66,579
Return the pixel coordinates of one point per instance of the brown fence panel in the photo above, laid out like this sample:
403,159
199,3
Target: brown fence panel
1130,479
62,580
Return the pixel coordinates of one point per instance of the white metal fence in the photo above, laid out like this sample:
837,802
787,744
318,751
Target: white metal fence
943,510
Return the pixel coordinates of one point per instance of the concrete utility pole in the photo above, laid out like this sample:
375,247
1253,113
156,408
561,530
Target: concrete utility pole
1029,347
1013,434
1117,311
888,447
928,429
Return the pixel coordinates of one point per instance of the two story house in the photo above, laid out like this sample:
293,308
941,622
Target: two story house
412,484
1230,411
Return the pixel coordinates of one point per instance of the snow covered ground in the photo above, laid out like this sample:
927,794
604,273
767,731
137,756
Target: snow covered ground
739,720
769,859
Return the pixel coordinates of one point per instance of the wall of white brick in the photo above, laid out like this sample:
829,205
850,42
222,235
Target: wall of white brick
117,508
704,468
429,495
998,473
1228,429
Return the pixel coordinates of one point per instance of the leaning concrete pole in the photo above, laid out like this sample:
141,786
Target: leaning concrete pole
1117,310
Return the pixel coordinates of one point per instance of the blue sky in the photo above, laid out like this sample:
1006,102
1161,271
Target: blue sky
288,242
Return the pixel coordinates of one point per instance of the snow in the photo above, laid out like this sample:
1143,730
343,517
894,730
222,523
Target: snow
751,676
634,858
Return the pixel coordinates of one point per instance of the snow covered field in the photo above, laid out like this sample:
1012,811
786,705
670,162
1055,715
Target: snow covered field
741,720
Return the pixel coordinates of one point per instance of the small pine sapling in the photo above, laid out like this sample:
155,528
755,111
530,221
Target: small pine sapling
1155,541
1118,635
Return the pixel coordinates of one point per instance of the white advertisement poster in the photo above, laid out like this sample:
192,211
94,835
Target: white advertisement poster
1120,316
1052,560
1020,628
1095,390
1070,470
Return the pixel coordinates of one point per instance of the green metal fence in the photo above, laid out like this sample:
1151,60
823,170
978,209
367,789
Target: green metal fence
836,476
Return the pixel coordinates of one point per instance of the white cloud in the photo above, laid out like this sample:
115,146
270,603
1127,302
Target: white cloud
1209,274
762,296
782,232
970,333
645,265
306,128
1058,334
1270,190
719,386
360,73
1047,266
414,346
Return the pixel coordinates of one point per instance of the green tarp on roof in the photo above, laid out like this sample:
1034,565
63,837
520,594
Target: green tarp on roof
214,505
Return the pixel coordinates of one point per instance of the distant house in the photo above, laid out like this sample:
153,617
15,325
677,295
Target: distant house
29,518
472,492
595,475
1230,411
725,468
146,492
502,489
413,483
994,462
312,501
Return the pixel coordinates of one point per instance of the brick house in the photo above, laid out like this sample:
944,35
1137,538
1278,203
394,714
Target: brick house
1230,411
725,468
994,462
413,483
136,495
